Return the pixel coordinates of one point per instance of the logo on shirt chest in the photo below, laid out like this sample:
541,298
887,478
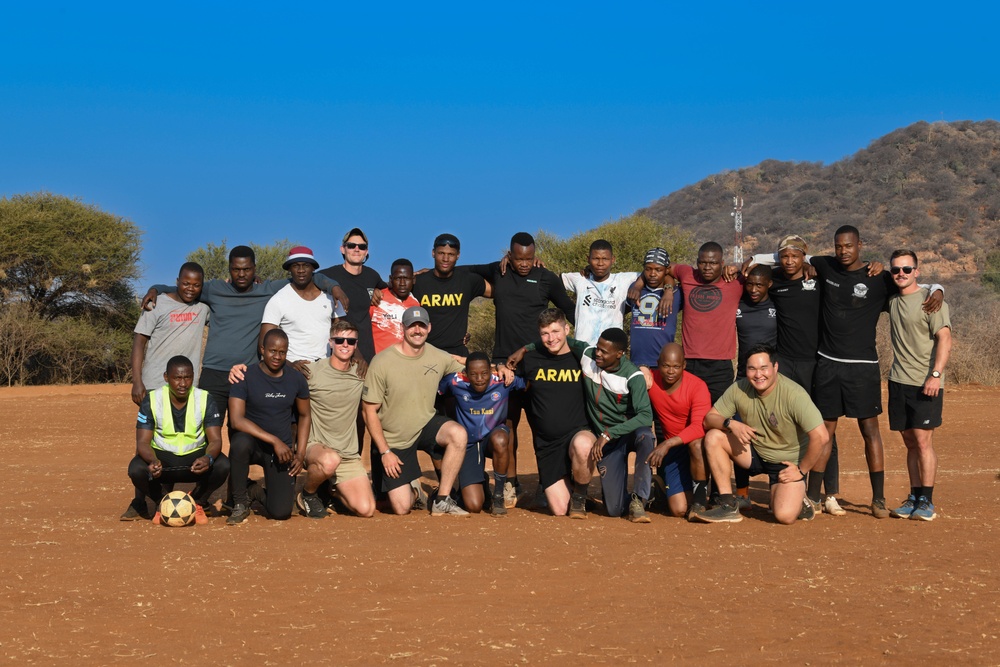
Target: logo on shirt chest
860,291
705,298
809,285
439,300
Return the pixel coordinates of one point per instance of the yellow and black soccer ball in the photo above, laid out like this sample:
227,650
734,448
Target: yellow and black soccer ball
177,509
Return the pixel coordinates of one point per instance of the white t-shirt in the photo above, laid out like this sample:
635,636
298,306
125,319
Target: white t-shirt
599,305
307,323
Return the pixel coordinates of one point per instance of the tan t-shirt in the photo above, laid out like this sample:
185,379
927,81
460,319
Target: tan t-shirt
914,345
406,388
334,397
782,419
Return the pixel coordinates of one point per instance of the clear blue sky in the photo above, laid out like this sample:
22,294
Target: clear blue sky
203,121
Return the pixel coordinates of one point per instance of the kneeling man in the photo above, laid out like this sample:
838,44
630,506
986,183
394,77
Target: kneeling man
780,433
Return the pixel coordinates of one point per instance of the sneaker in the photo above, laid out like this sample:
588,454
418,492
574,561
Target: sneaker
446,505
419,496
924,510
743,503
808,512
879,510
135,513
240,514
509,495
695,510
905,510
157,519
832,507
578,506
499,507
541,502
312,505
200,518
637,511
723,512
255,493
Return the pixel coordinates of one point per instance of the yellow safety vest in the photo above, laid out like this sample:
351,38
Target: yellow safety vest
165,438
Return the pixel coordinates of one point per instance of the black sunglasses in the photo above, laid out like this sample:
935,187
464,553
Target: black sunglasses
358,246
905,269
340,340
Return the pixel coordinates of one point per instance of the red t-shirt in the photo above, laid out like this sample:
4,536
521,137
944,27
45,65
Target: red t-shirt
387,319
708,329
681,413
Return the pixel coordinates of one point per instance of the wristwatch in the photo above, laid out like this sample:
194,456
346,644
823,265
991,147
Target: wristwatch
726,422
935,374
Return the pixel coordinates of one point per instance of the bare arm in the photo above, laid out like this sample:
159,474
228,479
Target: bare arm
302,436
390,462
818,440
932,385
139,342
143,448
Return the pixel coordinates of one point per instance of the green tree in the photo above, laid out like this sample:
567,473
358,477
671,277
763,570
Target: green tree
67,258
215,259
991,271
630,236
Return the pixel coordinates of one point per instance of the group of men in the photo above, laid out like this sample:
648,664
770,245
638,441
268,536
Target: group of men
320,358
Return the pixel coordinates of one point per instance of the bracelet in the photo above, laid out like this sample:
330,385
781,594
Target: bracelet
211,461
386,452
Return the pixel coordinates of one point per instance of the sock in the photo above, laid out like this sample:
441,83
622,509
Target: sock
743,491
580,489
815,482
916,491
498,482
928,493
878,485
727,499
700,491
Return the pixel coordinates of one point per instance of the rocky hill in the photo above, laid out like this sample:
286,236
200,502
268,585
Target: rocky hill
932,187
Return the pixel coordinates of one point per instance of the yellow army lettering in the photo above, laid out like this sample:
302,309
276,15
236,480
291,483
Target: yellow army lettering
437,300
557,375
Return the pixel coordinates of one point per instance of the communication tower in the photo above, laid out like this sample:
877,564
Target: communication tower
738,226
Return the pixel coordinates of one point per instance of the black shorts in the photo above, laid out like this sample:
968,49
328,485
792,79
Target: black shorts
473,469
759,466
910,408
716,373
802,371
847,390
552,458
426,442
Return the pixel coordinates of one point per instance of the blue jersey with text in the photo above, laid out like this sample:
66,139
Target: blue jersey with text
649,331
479,413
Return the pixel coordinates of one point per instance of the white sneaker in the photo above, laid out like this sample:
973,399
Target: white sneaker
509,495
447,506
832,507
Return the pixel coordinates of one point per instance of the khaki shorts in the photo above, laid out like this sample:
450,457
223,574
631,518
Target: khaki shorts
348,468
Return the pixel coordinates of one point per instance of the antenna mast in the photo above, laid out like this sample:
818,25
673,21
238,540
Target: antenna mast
738,226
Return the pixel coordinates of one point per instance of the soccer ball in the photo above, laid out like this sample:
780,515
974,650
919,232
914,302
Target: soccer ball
177,509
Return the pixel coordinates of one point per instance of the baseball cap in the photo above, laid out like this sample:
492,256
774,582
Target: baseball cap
300,253
657,256
448,240
415,314
355,231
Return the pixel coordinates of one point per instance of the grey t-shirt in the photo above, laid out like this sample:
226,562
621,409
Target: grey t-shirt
173,328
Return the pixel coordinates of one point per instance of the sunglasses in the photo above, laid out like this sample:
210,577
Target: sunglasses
341,340
356,246
905,269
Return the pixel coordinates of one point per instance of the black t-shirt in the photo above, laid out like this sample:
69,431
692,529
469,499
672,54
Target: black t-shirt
358,289
145,421
519,300
755,323
798,304
555,394
852,303
270,401
447,302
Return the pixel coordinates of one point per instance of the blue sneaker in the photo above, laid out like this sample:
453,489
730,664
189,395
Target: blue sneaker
924,510
905,510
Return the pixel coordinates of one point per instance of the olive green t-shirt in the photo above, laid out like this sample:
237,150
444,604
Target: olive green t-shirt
913,332
334,397
782,419
406,388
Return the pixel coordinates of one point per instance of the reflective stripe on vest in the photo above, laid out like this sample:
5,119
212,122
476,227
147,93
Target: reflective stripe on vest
165,438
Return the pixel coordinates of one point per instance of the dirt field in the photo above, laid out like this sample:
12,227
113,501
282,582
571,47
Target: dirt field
79,587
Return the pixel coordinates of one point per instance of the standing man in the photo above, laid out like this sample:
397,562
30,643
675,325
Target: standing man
520,295
680,404
387,327
921,345
301,310
649,329
848,380
600,296
263,407
780,434
174,327
756,317
178,438
446,293
237,310
398,396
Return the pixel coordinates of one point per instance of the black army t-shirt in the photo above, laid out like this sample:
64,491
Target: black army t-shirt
555,394
447,302
271,400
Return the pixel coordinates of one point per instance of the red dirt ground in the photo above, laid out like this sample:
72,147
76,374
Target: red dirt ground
79,587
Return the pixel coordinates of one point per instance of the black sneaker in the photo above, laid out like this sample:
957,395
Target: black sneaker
578,506
743,502
808,512
695,510
312,506
240,514
499,508
723,512
136,512
256,493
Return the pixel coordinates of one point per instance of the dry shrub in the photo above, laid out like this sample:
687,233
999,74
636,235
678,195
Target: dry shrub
22,337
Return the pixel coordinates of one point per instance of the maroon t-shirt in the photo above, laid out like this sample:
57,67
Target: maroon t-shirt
708,329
